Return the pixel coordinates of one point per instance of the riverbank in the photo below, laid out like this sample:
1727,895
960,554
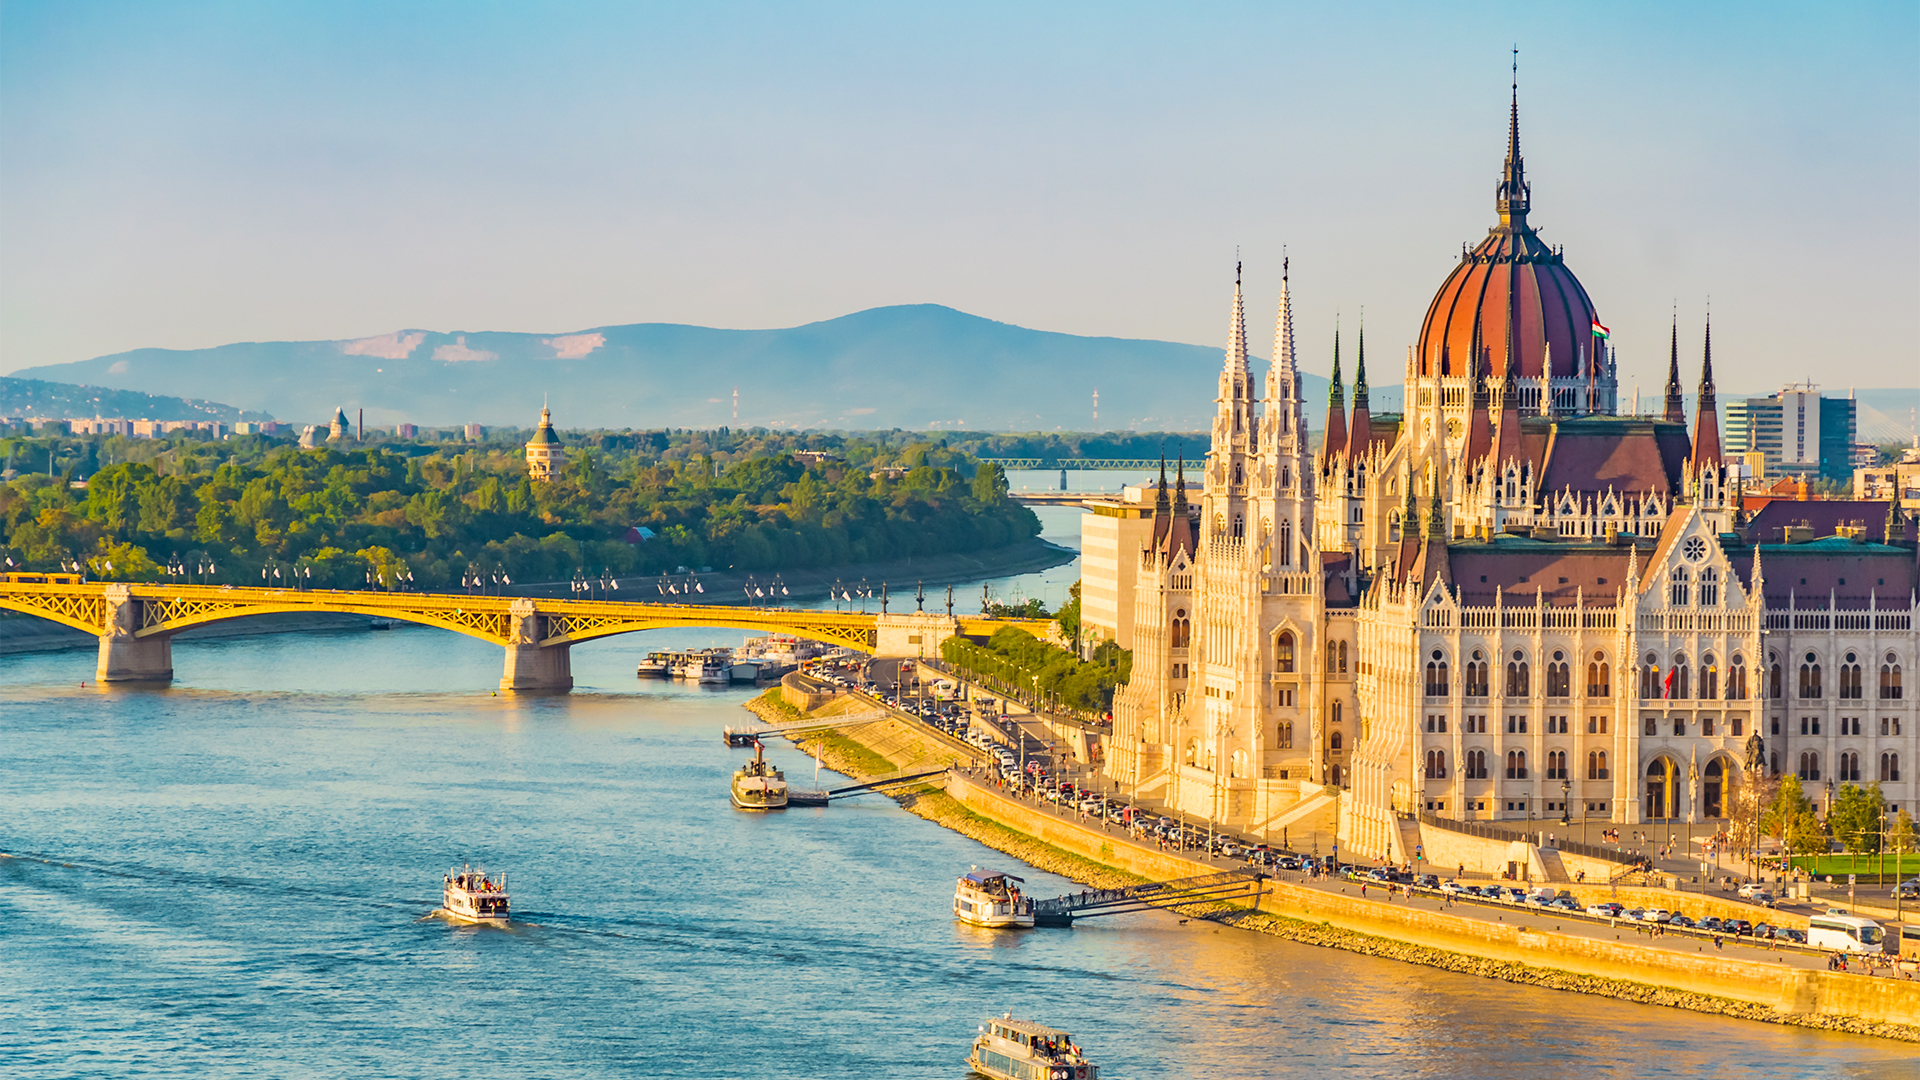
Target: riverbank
1748,989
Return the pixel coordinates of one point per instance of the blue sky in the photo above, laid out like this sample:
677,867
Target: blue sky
185,175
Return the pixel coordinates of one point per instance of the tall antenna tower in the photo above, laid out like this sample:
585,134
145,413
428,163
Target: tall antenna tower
1096,407
736,404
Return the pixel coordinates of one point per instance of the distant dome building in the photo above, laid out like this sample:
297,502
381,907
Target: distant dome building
545,453
340,427
1512,296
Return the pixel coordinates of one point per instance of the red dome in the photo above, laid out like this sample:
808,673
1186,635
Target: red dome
1512,278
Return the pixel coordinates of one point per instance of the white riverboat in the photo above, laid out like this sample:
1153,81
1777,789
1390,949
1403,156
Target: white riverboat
991,899
657,665
758,785
1009,1049
471,896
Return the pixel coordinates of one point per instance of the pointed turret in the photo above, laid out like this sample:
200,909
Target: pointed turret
1336,442
1479,425
1162,512
1676,411
1507,448
1180,530
1512,199
1237,331
1706,424
1360,435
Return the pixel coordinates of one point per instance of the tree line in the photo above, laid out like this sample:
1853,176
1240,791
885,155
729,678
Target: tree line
1014,661
425,514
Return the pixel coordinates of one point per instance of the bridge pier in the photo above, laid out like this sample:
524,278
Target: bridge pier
123,657
533,668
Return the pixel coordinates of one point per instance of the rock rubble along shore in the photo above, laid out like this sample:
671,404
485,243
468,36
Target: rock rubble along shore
875,749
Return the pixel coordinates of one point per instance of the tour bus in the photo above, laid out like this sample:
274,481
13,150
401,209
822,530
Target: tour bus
1834,932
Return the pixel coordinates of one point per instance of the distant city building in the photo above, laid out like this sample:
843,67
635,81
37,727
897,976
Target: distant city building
309,437
474,432
545,453
1800,432
406,431
341,427
1900,480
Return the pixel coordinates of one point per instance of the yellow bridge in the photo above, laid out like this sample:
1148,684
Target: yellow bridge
136,622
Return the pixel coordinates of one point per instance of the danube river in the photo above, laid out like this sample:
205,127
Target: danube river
229,878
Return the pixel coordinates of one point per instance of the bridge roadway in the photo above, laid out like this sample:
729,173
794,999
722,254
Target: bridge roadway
136,622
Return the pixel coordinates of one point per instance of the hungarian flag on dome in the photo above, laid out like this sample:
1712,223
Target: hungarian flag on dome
1600,331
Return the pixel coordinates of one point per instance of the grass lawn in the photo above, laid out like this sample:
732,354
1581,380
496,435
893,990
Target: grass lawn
1841,865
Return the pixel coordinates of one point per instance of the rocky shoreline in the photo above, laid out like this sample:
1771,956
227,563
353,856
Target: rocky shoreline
845,754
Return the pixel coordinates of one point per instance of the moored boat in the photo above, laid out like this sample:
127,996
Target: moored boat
470,896
758,785
991,899
1009,1049
657,665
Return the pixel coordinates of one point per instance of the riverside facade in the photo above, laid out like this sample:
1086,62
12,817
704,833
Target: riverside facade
1507,603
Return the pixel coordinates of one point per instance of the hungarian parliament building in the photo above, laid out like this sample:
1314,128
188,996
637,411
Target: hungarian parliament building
1508,602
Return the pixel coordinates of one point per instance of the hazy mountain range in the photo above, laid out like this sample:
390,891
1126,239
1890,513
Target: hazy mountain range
914,366
35,397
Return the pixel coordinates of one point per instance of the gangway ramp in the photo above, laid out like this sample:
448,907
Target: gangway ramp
1206,888
745,735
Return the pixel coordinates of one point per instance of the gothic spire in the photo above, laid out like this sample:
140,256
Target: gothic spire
1360,434
1180,487
1160,507
1237,332
1706,421
1360,368
1676,411
1512,199
1336,441
1284,359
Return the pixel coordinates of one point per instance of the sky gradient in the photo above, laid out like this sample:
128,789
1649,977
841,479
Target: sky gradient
186,175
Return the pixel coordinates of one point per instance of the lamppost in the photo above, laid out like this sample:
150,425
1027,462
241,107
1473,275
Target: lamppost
1566,788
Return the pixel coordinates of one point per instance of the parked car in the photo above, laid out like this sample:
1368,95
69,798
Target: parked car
1564,903
1681,921
1788,933
1907,890
1633,913
1740,927
1427,881
1454,888
1656,915
1710,923
1747,890
1605,911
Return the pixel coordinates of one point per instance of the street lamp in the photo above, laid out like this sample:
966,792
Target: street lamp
1566,787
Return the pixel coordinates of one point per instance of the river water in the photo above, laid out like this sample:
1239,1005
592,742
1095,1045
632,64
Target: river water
228,878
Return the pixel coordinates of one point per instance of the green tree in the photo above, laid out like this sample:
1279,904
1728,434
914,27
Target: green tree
1855,817
1069,616
990,484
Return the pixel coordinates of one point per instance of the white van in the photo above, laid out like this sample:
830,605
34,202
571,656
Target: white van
1834,932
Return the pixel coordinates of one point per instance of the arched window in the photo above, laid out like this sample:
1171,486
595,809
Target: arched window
1193,751
1518,682
1677,595
1286,735
1343,658
1773,682
1650,677
1182,635
1239,525
1596,765
1677,679
1809,765
1890,679
1709,678
1333,714
1333,657
1437,675
1393,526
1556,764
1477,676
1889,767
1559,677
1436,764
1599,679
1333,743
1237,767
1851,684
1737,679
1286,542
1709,596
1516,764
1810,677
1283,651
1849,766
1476,764
1713,789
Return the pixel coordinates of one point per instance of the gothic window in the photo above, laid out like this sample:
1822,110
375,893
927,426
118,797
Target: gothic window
1333,714
1393,526
1283,652
1518,681
1516,725
1889,767
1850,684
1809,765
1516,764
1237,767
1477,676
1737,680
1556,764
1239,475
1559,678
1437,681
1706,727
1650,677
1596,765
1677,679
1652,726
1849,766
1182,630
1599,679
1286,542
1193,751
1333,743
1773,681
1709,586
1810,677
1476,764
1709,678
1596,725
1679,726
1333,658
1286,735
1343,658
1239,527
1890,679
1436,764
1437,723
1678,588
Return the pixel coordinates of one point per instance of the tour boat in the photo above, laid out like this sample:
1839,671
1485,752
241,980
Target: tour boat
759,785
1009,1049
716,668
991,899
471,896
657,665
